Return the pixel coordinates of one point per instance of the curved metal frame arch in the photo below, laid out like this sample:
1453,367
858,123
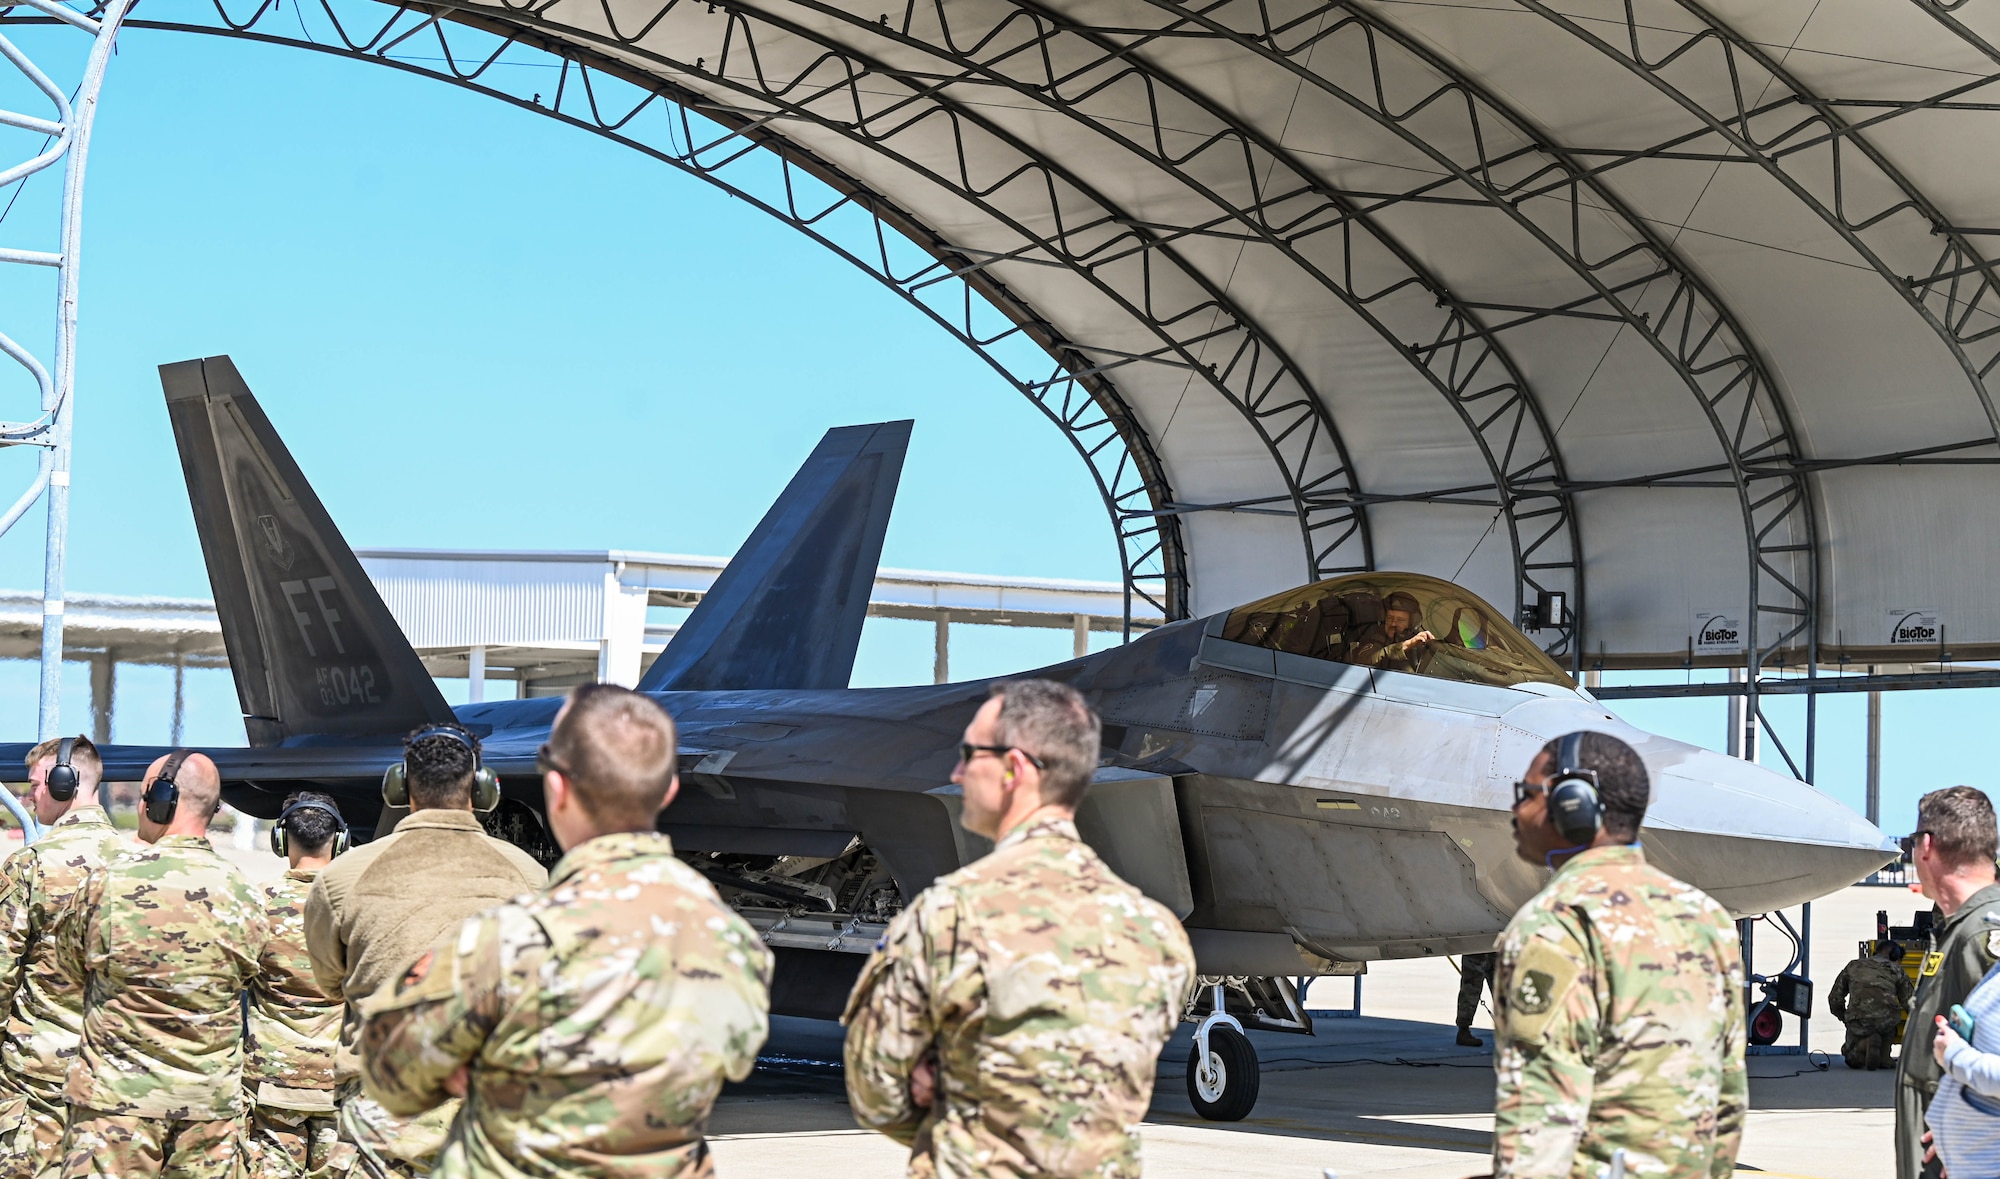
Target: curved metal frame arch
1279,405
1695,334
1111,444
1496,415
1958,265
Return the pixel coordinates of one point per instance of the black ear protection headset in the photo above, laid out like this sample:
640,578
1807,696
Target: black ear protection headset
485,783
162,798
1575,807
62,780
281,839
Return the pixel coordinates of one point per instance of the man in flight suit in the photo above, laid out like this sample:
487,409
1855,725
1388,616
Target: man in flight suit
588,1027
1011,1019
375,909
42,1003
1395,644
166,938
1953,849
1871,995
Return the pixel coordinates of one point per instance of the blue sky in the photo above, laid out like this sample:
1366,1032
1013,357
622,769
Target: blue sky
478,328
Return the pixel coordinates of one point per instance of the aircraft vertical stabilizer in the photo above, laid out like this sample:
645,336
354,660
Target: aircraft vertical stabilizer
787,612
313,647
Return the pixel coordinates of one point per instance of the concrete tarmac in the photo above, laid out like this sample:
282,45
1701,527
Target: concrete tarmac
1388,1094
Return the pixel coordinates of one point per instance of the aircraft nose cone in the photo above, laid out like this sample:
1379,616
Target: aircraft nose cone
1753,839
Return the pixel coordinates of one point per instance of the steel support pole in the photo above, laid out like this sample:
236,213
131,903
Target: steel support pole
1080,636
941,663
103,694
180,698
1874,757
475,675
82,115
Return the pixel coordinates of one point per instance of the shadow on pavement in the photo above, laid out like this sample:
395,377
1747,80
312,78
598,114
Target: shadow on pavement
1383,1081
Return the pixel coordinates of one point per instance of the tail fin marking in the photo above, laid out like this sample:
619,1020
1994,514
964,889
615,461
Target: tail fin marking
313,647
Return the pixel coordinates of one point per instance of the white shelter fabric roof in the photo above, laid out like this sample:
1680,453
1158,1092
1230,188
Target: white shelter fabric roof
1679,307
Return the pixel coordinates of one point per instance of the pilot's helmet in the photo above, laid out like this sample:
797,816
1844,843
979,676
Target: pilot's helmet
1405,602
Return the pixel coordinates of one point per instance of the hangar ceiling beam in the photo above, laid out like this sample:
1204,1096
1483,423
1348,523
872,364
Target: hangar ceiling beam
1093,80
1965,315
1135,267
680,128
1690,329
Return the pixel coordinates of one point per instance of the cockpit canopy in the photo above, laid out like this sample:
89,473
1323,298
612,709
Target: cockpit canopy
1396,622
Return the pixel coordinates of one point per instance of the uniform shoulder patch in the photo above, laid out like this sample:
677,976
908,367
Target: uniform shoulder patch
1993,944
1535,990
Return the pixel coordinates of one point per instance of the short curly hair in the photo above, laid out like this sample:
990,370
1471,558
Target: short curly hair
439,768
1623,785
311,829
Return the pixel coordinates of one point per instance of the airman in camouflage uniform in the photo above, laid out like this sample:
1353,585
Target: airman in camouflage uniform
590,1026
1620,1020
1475,974
1011,1020
166,938
293,1028
43,1004
1871,995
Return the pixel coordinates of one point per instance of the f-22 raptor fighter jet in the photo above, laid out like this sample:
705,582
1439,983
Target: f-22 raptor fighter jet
1305,786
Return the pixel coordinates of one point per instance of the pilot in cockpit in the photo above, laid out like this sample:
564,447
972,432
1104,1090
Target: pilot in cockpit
1394,644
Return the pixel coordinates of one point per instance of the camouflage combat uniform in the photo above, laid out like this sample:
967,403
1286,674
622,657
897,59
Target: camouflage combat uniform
1475,973
1046,987
1964,946
167,938
598,1019
1619,1024
368,916
43,1004
293,1030
1870,996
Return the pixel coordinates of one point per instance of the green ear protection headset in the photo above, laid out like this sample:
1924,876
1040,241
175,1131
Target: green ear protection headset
281,839
485,783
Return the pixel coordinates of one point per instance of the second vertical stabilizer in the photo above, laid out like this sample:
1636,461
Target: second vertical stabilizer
787,612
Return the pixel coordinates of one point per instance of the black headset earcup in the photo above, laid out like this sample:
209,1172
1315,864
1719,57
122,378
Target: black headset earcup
280,840
62,780
485,790
396,785
161,800
1575,810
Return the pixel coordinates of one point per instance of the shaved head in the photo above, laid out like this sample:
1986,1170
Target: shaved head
200,783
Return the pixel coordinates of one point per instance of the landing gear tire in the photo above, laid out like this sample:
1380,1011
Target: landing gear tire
1227,1090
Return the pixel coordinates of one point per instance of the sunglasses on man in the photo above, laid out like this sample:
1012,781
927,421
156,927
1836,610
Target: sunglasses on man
967,751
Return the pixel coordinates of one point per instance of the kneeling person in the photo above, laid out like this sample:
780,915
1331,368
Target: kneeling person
166,939
294,1029
1871,996
588,1027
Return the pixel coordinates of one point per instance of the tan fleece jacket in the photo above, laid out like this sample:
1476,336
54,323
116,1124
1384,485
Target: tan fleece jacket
373,911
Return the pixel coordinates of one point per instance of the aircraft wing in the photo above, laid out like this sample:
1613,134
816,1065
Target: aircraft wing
127,763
